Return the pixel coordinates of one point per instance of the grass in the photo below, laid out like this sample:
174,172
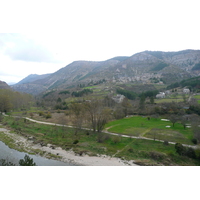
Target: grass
168,100
197,96
154,128
144,152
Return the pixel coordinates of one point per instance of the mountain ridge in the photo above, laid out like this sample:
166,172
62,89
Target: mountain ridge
140,67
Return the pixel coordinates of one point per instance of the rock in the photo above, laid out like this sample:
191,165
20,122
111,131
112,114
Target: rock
48,145
58,148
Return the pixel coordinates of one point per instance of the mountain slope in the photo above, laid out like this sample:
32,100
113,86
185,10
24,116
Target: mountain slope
31,78
4,85
139,68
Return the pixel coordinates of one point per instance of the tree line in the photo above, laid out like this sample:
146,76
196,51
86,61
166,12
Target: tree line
14,100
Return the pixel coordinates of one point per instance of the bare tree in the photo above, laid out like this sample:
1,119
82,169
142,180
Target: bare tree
184,120
97,115
78,111
173,119
195,122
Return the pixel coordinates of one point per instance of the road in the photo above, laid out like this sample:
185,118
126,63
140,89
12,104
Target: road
105,131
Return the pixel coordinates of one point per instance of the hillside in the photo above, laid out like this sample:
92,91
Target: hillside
193,84
32,78
140,68
4,85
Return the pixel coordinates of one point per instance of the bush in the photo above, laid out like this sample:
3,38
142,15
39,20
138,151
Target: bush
76,142
41,113
156,155
48,115
185,151
130,150
27,161
116,139
180,149
197,153
1,117
191,153
102,137
4,162
166,142
194,140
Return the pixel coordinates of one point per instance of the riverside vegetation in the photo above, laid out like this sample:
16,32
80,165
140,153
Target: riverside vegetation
143,152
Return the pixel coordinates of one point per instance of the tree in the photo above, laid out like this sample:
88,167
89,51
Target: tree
5,104
97,115
142,102
152,100
184,121
126,106
184,98
180,149
195,128
173,119
77,110
27,161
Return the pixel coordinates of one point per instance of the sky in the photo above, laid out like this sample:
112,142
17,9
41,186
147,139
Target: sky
39,37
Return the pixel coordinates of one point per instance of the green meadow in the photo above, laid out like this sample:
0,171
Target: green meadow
153,128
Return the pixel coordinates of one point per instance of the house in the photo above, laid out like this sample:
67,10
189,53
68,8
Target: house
119,98
160,95
167,92
186,91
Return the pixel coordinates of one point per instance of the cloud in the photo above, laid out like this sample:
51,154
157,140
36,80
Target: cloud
19,47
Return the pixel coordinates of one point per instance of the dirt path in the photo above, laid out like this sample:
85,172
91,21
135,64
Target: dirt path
110,133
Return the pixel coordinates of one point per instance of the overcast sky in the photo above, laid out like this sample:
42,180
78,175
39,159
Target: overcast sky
43,36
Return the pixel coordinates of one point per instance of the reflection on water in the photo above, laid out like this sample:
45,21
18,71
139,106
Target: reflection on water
14,156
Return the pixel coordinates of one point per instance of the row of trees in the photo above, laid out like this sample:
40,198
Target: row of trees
14,100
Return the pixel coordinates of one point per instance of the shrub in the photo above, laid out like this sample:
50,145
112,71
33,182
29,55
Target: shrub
102,137
27,161
191,153
48,115
166,142
41,113
185,151
1,117
197,153
180,149
66,113
130,150
76,142
156,155
194,140
116,139
4,162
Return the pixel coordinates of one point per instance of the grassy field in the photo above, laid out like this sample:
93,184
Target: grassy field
198,98
153,128
144,152
168,100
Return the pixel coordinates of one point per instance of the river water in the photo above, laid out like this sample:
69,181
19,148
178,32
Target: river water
14,156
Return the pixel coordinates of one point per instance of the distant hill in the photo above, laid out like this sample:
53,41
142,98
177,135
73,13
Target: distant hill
4,85
31,78
167,67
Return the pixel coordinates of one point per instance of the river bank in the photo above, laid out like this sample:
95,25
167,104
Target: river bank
27,145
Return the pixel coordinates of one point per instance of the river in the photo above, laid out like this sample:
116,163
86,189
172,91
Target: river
14,156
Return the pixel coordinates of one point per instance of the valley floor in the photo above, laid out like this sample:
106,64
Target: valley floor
66,156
